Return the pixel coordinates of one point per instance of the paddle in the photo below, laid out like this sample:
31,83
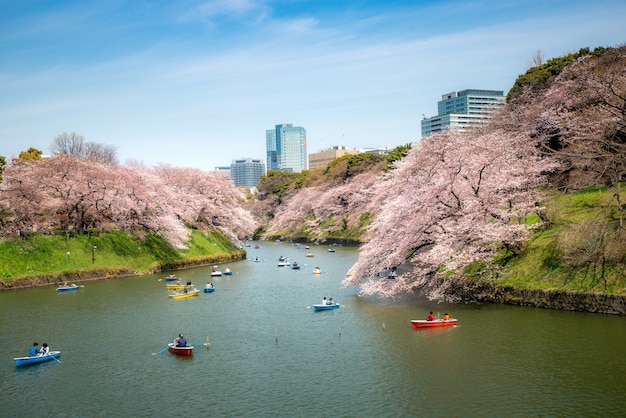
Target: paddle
162,350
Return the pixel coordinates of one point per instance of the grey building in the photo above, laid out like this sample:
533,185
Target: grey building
463,110
247,171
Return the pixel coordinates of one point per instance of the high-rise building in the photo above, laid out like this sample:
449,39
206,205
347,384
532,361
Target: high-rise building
321,158
247,171
286,148
463,110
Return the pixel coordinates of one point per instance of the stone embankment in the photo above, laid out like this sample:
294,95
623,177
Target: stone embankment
551,299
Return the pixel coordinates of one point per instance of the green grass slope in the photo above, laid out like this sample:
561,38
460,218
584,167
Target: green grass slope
582,249
55,256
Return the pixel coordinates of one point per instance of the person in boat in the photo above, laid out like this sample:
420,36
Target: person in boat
330,301
178,282
431,317
180,341
45,350
188,282
34,349
65,284
446,317
324,301
209,285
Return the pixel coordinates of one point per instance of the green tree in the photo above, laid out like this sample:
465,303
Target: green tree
3,165
31,154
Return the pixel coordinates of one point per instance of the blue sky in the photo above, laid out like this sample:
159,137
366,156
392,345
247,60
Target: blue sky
196,83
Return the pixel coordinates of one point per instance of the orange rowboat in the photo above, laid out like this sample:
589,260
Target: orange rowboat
424,323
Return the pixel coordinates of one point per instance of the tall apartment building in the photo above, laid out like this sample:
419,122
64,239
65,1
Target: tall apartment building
463,110
321,158
247,171
286,148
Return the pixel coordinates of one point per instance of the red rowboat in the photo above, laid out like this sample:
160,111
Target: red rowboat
424,323
181,351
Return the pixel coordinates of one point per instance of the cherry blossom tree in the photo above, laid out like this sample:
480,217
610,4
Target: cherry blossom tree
312,206
458,199
70,193
455,199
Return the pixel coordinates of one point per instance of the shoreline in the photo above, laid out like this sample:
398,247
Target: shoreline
82,276
562,300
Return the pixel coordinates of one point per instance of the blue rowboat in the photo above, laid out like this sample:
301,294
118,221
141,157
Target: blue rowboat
209,289
25,361
325,307
67,288
171,278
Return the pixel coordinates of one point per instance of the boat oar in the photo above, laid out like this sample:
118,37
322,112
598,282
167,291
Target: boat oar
162,350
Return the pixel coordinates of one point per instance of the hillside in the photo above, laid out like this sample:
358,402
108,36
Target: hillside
39,260
472,207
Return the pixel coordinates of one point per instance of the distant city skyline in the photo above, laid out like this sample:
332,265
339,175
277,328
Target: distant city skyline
196,83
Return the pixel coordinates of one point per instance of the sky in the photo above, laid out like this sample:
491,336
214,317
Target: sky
196,83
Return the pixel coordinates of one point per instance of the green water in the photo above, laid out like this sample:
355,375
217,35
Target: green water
271,355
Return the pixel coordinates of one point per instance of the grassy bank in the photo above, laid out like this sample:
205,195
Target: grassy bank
583,249
52,257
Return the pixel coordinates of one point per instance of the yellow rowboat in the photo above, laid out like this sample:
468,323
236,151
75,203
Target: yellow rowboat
179,294
179,286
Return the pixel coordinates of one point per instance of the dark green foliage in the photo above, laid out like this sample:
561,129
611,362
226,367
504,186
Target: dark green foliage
396,154
351,165
540,76
3,165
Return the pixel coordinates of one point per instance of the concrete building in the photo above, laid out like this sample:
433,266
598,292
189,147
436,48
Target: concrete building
247,171
286,148
321,158
463,110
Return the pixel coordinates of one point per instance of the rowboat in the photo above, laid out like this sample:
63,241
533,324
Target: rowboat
325,307
68,288
284,263
25,361
310,255
424,323
171,278
209,289
216,273
228,272
178,286
295,265
317,271
181,351
331,250
183,295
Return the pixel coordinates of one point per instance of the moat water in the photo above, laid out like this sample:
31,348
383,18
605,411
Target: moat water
271,355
